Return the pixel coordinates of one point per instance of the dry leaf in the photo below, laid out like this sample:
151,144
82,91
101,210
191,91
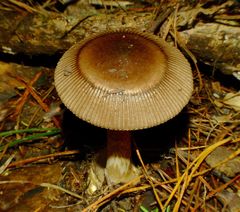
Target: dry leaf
216,86
236,75
111,3
232,100
230,199
222,118
229,168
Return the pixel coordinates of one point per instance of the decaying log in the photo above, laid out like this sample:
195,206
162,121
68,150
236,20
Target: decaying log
215,44
54,32
211,33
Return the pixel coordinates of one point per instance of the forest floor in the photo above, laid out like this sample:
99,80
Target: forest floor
190,163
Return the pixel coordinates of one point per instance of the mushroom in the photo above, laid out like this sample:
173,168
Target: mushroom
122,80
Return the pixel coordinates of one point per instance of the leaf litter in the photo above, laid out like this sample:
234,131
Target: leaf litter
199,172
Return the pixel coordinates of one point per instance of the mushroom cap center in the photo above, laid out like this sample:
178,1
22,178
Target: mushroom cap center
122,61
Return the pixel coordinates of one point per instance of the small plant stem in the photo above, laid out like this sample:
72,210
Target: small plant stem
31,137
31,130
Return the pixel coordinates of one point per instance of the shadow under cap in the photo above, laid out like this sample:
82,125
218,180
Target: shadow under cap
124,80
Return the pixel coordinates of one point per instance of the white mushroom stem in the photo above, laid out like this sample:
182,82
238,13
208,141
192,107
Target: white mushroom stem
119,167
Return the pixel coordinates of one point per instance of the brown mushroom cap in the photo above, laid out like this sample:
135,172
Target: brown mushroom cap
124,80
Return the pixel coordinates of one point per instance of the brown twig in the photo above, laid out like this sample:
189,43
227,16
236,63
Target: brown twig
38,109
26,7
160,19
106,198
148,178
43,105
25,95
30,160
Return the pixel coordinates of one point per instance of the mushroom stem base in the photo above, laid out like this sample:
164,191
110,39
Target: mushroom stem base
114,164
